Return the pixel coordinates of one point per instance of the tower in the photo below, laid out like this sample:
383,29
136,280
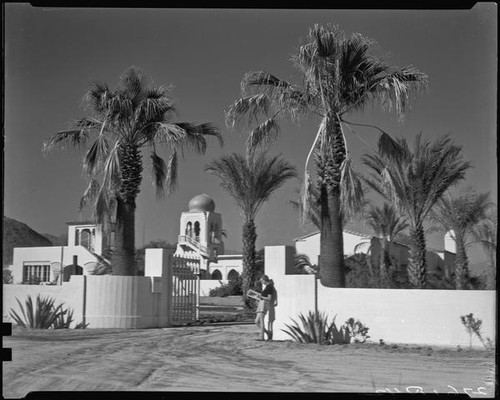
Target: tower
201,230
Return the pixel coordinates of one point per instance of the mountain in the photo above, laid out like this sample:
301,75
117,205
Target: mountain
18,234
61,240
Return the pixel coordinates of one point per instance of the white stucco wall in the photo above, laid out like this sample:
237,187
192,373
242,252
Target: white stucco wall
226,263
48,255
103,301
395,315
70,293
310,245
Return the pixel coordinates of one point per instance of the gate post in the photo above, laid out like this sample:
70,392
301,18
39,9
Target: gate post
167,278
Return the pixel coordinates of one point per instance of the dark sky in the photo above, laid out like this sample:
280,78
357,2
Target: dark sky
51,56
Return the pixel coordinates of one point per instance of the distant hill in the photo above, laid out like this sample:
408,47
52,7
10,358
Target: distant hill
57,240
18,234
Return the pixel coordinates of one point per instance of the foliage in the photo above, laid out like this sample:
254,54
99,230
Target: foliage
339,74
485,233
357,331
303,264
315,328
41,315
123,122
232,288
250,181
414,178
473,327
44,314
63,320
7,276
460,214
32,280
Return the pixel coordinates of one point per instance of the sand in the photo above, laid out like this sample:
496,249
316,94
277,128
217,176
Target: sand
228,357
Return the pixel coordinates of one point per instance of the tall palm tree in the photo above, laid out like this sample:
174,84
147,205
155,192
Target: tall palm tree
485,233
460,214
124,121
414,179
250,181
339,76
387,224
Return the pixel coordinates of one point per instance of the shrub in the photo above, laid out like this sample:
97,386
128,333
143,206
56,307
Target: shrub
232,288
357,331
43,315
7,276
63,322
314,328
473,327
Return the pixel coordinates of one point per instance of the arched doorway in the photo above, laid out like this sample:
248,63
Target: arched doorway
216,274
71,270
233,275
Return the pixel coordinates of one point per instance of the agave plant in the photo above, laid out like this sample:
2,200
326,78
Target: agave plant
63,320
314,328
41,315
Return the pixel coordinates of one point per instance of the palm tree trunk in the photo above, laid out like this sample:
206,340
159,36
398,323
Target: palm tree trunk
385,262
329,160
249,257
417,268
332,273
122,261
461,264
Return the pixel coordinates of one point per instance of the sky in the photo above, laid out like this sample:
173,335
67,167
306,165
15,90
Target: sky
53,54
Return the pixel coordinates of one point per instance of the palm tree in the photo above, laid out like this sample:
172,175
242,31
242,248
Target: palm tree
485,233
414,179
339,76
250,181
460,214
135,116
387,224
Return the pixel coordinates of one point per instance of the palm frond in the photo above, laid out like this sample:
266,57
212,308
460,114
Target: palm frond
263,134
90,193
96,155
72,137
248,109
159,172
394,88
351,193
171,177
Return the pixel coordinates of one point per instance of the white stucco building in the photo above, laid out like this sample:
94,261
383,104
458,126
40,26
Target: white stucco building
78,257
201,233
356,242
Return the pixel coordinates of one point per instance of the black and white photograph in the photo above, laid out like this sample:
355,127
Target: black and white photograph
249,200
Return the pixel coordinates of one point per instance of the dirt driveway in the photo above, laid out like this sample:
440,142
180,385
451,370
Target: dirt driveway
229,358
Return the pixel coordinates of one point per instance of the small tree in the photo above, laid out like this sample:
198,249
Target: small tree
473,327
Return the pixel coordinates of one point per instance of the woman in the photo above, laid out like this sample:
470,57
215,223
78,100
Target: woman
266,298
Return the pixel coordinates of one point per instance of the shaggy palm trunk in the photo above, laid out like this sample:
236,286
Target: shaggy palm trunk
329,159
249,258
122,261
417,268
385,263
461,264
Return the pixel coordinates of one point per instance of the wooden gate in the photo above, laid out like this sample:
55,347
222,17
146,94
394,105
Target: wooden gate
185,300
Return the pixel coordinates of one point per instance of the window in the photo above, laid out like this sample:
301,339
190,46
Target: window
36,273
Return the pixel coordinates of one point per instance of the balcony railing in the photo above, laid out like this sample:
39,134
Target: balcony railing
195,243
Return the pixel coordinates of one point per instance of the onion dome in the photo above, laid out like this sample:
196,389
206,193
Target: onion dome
201,202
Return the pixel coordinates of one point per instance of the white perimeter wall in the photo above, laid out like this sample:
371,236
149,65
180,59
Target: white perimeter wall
394,315
102,301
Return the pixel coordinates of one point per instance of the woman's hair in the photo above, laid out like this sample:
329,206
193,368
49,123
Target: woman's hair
265,278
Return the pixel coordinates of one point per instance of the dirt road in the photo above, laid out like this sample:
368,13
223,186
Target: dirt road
229,358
